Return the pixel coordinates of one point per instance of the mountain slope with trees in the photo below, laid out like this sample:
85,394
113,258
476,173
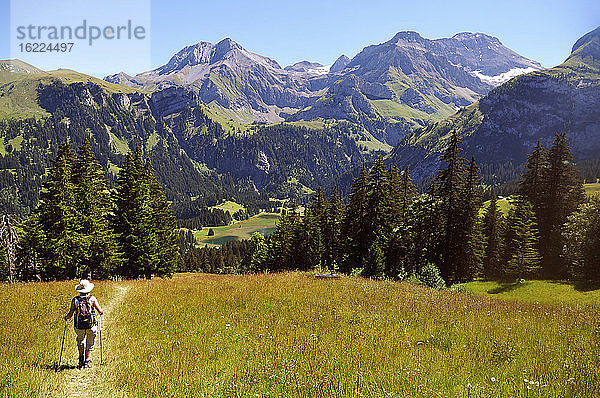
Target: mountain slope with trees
503,127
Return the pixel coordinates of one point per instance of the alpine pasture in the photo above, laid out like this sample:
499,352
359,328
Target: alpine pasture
292,335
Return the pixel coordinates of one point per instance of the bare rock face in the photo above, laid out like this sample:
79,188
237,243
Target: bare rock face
340,64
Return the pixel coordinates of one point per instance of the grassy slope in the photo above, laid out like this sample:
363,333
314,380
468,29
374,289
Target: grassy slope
229,206
290,335
241,230
18,91
31,319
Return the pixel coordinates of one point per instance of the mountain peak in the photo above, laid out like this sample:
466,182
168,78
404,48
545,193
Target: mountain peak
303,66
406,35
18,66
226,45
339,64
463,36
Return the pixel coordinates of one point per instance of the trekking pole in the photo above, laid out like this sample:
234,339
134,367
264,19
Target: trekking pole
62,345
100,327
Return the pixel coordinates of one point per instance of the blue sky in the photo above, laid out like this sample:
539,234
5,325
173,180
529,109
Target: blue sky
322,30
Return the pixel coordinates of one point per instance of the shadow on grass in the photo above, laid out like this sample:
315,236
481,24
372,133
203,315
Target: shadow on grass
586,286
507,287
54,368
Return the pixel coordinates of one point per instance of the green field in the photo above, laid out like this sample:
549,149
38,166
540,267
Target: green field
291,335
230,207
264,223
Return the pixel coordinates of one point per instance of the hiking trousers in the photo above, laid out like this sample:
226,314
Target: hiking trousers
89,335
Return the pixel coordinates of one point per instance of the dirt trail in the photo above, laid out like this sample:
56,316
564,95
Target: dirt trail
87,382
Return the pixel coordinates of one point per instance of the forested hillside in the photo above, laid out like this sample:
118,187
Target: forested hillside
197,160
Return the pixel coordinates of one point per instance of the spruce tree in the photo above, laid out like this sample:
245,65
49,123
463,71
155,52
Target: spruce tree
164,225
59,248
355,228
473,249
332,233
564,193
145,227
521,256
98,253
533,185
315,222
408,191
582,242
255,258
448,185
492,233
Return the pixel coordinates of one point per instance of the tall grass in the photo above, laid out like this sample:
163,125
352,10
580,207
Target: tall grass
291,335
32,324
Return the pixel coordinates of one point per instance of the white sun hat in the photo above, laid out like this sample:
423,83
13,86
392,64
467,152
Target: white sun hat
84,286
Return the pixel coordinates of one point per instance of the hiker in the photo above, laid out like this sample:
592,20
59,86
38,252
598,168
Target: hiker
85,320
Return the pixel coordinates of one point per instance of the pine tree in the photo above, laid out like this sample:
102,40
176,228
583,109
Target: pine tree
521,256
492,232
419,239
29,263
375,258
315,222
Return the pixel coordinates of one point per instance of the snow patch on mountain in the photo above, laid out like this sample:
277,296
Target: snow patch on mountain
503,77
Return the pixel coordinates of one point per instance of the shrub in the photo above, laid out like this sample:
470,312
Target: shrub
430,276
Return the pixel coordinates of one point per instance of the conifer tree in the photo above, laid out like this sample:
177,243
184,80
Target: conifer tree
332,233
473,250
55,213
164,224
255,257
521,256
533,185
492,232
374,264
143,221
420,237
315,222
29,263
98,253
355,227
448,185
408,192
564,193
582,242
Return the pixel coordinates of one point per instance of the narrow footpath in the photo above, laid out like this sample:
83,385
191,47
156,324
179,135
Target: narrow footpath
87,382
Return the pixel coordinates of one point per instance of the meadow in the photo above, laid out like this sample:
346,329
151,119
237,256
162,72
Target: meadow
263,223
291,335
32,319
